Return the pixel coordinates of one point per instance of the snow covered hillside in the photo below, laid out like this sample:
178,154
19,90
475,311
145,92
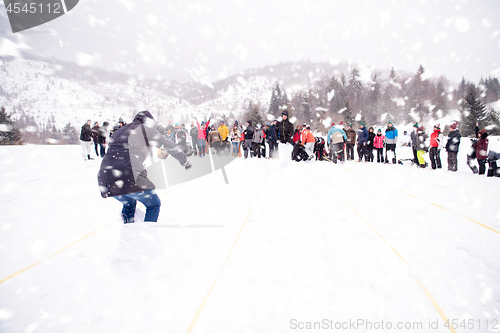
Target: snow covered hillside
277,250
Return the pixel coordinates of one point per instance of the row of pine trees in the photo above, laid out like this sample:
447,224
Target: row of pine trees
407,99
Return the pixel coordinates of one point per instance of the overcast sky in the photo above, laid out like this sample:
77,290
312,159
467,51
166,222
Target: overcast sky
179,39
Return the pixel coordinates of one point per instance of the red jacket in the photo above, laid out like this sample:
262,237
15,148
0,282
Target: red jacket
435,140
378,142
307,137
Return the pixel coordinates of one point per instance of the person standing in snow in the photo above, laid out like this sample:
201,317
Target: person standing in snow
122,174
362,139
85,138
421,146
224,134
436,144
272,138
202,136
215,140
257,138
369,144
95,137
351,141
391,139
482,150
248,133
335,140
452,147
235,140
378,143
414,142
103,138
194,138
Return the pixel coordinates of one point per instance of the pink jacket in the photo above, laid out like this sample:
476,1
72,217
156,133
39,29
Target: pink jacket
378,142
201,130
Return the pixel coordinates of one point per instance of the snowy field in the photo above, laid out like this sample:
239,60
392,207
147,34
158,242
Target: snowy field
310,247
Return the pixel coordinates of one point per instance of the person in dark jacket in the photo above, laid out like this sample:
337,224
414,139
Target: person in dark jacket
414,142
391,139
272,138
85,138
452,147
482,150
362,139
95,137
103,138
248,132
194,137
351,141
369,144
284,131
122,174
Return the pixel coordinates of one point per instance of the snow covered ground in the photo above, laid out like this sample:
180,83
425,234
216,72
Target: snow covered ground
277,250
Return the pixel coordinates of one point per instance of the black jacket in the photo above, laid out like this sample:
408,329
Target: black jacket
86,133
122,170
453,141
249,133
369,142
271,134
284,131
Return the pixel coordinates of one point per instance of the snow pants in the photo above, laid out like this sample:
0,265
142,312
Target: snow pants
434,155
86,149
148,198
452,161
380,155
247,147
336,151
273,145
349,147
362,152
482,166
420,157
310,148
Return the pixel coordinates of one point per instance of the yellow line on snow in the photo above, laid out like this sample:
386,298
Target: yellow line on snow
202,305
426,291
431,203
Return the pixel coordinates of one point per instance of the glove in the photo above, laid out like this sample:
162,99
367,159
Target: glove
187,165
162,154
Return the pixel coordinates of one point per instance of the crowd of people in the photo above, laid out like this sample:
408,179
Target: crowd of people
262,140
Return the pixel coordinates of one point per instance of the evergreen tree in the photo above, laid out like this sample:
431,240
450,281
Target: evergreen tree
274,106
420,70
493,121
348,119
9,131
254,114
306,114
462,88
285,102
472,110
70,134
393,74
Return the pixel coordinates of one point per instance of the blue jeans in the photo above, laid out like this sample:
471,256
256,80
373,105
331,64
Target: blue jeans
148,198
235,147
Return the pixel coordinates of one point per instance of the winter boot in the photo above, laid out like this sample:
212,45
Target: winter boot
88,156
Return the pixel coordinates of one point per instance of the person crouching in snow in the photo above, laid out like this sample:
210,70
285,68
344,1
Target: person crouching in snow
308,140
122,174
436,145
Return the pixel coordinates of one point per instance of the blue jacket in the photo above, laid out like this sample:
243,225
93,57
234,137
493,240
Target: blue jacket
362,135
391,135
271,134
333,130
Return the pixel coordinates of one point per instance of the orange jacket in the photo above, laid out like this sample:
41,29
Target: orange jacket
307,137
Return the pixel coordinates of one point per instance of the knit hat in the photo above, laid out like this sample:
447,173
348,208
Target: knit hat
437,126
222,121
362,124
483,131
308,126
379,130
341,123
421,128
120,121
249,122
89,120
236,122
415,125
284,113
350,125
453,126
389,122
202,122
333,124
